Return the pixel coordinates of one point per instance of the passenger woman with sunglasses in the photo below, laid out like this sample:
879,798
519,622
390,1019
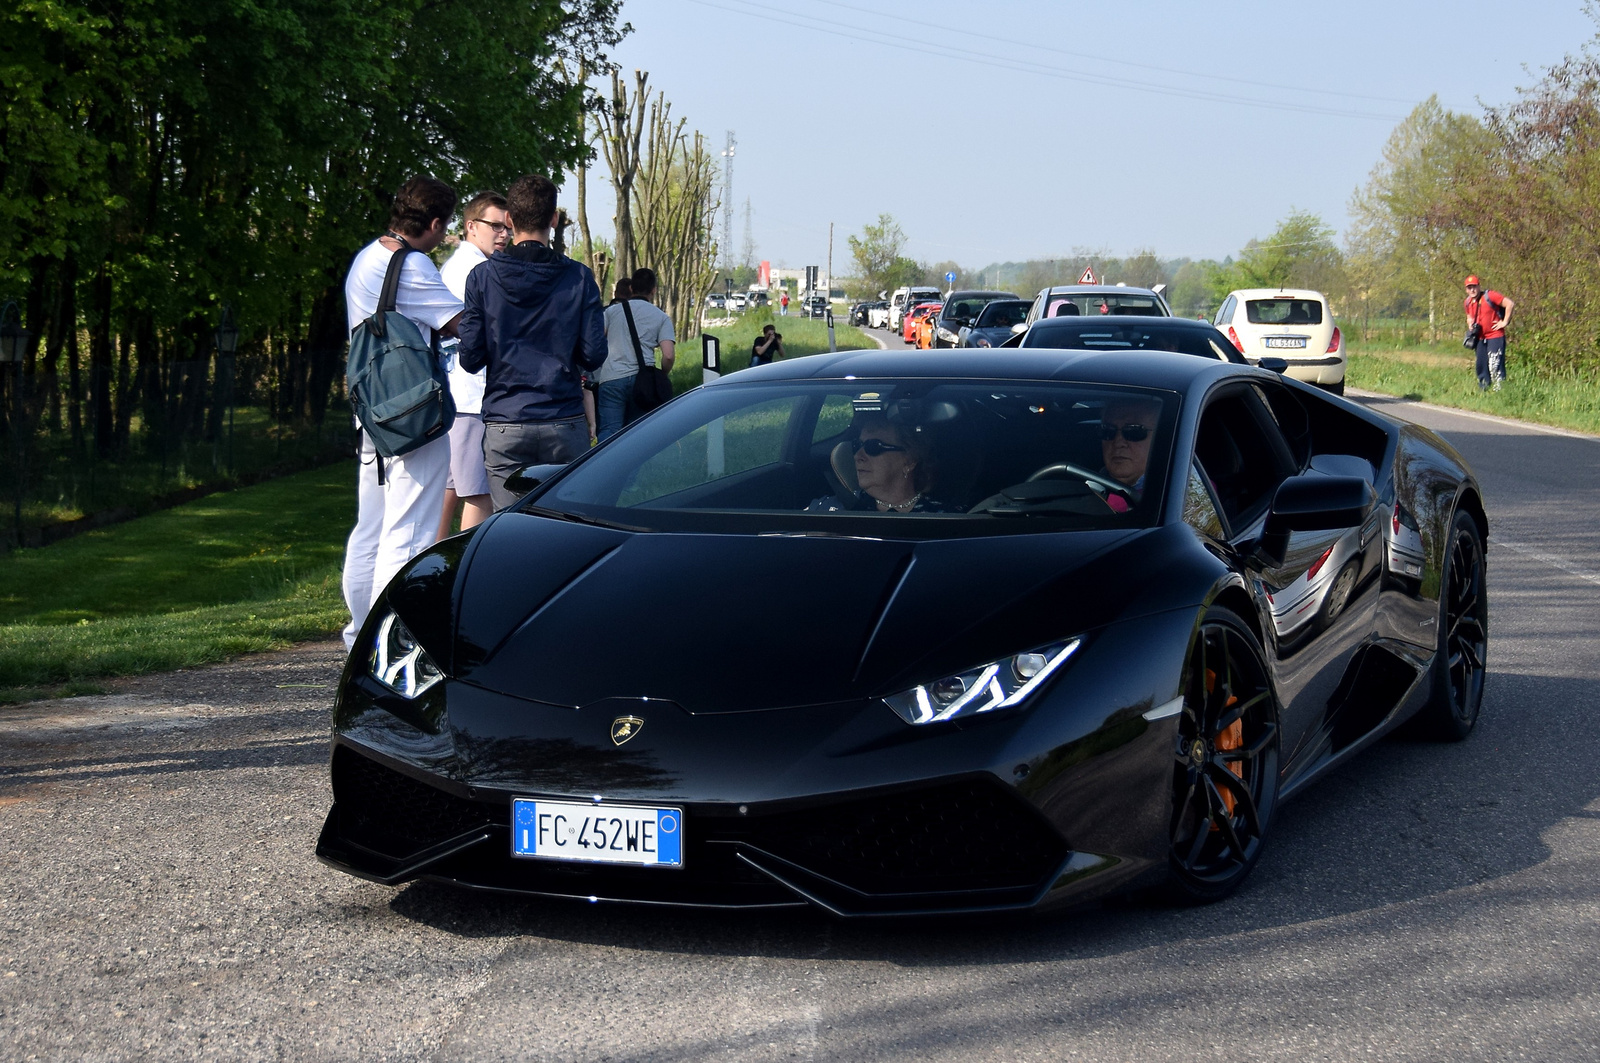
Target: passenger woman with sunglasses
893,471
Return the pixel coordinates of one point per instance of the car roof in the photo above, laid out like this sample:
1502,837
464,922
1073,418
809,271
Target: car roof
1146,321
1278,293
969,293
1166,370
1094,289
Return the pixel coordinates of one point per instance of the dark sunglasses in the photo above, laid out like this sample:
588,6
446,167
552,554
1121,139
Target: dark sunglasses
873,447
1133,433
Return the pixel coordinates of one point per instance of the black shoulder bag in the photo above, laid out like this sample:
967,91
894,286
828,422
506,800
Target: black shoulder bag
652,387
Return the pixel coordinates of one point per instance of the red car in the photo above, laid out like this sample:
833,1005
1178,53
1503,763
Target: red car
908,328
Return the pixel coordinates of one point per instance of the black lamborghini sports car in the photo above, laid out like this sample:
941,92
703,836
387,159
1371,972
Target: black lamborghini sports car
896,634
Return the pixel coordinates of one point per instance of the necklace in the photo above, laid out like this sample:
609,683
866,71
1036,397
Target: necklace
900,507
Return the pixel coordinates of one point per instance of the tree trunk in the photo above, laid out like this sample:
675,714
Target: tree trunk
100,362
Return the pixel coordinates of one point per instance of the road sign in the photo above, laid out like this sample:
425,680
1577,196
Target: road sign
949,278
1088,275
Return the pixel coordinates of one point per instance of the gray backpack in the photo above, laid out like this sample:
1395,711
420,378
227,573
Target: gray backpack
398,388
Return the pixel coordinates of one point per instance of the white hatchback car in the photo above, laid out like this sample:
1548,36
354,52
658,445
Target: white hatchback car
1289,323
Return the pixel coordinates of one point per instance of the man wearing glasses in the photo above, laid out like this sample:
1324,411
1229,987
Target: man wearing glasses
1125,430
1488,314
486,229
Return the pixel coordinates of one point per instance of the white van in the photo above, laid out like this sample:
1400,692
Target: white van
904,299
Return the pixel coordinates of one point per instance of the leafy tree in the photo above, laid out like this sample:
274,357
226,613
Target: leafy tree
880,262
1300,253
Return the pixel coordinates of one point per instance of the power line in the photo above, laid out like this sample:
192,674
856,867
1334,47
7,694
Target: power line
1014,65
968,32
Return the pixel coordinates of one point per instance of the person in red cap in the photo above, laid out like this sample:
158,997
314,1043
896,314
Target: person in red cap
1488,315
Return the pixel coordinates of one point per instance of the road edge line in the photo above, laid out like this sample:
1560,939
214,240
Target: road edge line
1547,429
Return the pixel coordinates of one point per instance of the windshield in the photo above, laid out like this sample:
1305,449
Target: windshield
1003,313
1283,311
1105,334
887,458
1090,305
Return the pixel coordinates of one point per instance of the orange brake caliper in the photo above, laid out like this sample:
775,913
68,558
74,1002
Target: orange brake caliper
1232,737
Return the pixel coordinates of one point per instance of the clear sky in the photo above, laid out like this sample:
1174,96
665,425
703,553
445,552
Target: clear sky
1014,129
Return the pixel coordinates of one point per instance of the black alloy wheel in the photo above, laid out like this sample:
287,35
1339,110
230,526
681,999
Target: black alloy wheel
1225,777
1462,660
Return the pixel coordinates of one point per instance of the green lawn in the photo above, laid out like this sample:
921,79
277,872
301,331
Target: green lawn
1444,374
236,572
801,336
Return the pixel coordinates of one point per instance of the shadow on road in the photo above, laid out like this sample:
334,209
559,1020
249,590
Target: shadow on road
1407,820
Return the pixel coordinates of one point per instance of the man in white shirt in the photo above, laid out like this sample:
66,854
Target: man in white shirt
485,228
614,403
399,517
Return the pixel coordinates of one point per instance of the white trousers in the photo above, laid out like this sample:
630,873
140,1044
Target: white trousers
395,521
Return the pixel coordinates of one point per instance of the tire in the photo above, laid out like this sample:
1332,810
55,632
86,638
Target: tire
1460,661
1333,389
1338,594
1225,776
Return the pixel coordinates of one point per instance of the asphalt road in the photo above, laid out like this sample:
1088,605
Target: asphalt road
159,898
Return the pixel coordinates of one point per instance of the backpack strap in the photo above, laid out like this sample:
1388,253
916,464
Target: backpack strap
391,289
638,351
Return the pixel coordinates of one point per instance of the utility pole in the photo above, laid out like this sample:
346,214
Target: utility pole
827,289
727,203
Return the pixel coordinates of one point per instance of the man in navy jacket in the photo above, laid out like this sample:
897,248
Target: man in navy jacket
532,319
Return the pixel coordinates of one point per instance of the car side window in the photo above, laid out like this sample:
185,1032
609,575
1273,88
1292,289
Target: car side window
1199,509
1224,312
1244,455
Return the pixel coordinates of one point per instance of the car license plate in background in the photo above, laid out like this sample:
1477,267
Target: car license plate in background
1294,342
596,834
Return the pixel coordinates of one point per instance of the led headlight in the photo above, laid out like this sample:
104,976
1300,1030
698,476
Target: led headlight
948,336
999,685
399,662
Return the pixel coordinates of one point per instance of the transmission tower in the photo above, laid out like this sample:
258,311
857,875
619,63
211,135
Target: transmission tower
727,202
748,258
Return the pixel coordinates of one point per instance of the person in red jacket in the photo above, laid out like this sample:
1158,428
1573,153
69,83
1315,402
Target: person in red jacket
1490,313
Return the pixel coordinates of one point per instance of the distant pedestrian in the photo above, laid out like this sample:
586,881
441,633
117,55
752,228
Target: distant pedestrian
485,230
767,347
532,322
783,304
1488,315
615,400
397,514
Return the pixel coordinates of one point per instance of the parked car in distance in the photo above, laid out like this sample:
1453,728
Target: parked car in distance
736,301
815,306
908,323
755,299
716,301
902,300
992,326
962,308
1088,300
1294,324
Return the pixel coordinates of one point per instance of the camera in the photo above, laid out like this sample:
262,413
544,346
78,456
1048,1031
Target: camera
1474,334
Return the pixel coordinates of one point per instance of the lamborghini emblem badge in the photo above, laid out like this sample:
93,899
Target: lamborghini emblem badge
625,727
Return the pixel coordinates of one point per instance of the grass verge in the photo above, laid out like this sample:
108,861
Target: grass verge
801,336
1445,376
237,572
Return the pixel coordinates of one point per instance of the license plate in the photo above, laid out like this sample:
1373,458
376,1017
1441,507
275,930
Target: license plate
1291,342
596,834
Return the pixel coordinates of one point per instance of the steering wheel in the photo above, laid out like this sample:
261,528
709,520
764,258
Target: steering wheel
1053,472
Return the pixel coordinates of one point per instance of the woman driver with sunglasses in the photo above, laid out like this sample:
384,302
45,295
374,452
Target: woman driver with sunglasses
893,470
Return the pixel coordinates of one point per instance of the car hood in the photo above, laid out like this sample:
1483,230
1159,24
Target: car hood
572,614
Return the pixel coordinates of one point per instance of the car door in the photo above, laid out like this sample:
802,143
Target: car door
1244,456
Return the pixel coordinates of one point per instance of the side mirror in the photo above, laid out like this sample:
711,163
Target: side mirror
1311,502
528,477
1019,328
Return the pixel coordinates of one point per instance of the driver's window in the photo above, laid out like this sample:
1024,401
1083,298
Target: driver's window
1199,510
1244,455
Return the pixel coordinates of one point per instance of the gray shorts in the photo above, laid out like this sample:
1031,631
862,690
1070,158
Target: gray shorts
509,447
467,477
